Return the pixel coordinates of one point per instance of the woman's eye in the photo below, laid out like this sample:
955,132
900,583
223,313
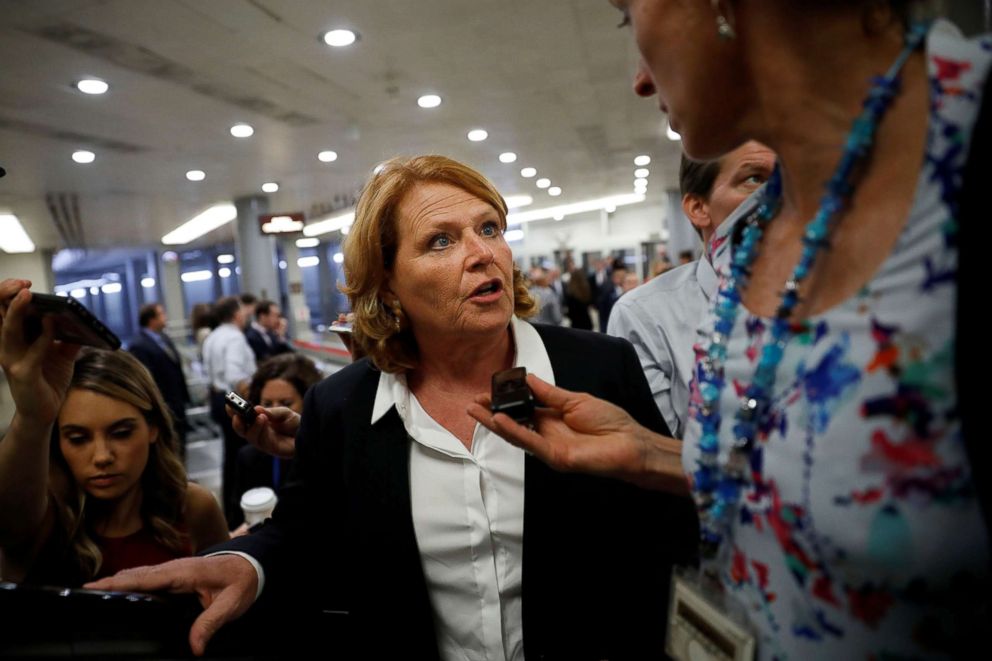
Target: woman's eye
76,439
756,179
123,433
440,241
490,229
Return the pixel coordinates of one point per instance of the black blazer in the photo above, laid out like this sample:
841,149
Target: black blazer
597,552
261,348
168,373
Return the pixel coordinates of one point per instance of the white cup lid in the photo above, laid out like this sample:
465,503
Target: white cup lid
258,499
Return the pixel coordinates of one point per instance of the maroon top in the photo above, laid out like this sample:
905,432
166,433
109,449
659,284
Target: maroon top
135,550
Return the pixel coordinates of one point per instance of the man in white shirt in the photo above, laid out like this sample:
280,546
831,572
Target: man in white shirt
662,318
229,363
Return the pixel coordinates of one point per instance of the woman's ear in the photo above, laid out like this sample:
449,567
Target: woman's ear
152,434
697,210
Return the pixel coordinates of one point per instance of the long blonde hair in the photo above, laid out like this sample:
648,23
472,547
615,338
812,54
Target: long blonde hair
120,375
371,247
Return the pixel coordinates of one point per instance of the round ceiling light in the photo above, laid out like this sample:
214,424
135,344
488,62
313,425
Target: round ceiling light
339,38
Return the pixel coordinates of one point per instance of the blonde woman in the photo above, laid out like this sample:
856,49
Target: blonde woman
92,481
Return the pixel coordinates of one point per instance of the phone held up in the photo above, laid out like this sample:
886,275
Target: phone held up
73,322
242,406
511,395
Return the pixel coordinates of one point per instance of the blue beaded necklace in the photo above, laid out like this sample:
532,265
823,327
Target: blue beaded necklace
718,488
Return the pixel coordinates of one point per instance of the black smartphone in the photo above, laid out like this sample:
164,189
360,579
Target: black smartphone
73,322
244,408
512,396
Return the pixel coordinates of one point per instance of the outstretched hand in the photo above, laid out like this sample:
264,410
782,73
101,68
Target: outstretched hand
226,585
273,431
576,432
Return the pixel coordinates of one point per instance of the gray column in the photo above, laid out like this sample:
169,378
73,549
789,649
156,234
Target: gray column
34,266
681,234
298,314
256,253
172,291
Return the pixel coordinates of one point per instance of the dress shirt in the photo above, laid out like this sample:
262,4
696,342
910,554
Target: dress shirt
263,331
162,344
664,318
227,357
468,508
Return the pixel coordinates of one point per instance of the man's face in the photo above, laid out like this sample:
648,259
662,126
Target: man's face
270,321
159,321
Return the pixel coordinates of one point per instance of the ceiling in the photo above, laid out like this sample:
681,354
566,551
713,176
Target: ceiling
549,80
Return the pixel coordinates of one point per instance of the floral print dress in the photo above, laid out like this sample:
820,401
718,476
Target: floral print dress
860,536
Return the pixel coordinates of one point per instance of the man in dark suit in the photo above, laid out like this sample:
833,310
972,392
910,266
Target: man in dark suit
263,332
610,292
158,353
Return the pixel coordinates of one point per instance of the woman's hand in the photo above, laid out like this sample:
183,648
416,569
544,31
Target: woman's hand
576,432
38,373
273,431
225,583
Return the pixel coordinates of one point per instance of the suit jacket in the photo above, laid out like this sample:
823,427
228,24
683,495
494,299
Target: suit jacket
168,373
262,348
597,552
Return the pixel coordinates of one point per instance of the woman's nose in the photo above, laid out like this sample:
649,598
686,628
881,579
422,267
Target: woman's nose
103,455
643,82
479,251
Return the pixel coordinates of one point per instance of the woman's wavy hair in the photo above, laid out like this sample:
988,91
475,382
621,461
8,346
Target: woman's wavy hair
297,370
370,250
119,375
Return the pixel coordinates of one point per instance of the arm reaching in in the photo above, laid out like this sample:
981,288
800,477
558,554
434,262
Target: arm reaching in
576,432
273,431
226,585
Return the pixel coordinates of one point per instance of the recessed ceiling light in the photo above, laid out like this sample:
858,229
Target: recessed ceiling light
641,173
327,156
199,225
270,187
528,172
672,135
196,175
83,156
554,191
311,242
610,208
641,181
92,86
338,257
543,182
429,101
225,259
559,216
148,282
642,160
94,290
507,157
339,38
478,135
224,272
242,131
307,262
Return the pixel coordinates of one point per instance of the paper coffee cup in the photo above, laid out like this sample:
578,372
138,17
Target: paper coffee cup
257,504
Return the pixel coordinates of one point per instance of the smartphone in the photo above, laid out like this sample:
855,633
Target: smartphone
512,396
341,327
243,407
73,322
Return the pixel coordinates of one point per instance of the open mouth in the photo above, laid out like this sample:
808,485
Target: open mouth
488,288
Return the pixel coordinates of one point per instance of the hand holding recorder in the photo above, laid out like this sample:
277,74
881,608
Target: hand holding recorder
272,431
39,369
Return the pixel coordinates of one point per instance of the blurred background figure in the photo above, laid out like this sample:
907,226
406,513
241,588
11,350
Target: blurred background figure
548,302
266,332
578,296
630,282
156,351
610,291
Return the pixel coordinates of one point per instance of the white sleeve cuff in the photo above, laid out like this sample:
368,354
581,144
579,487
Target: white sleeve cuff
254,563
